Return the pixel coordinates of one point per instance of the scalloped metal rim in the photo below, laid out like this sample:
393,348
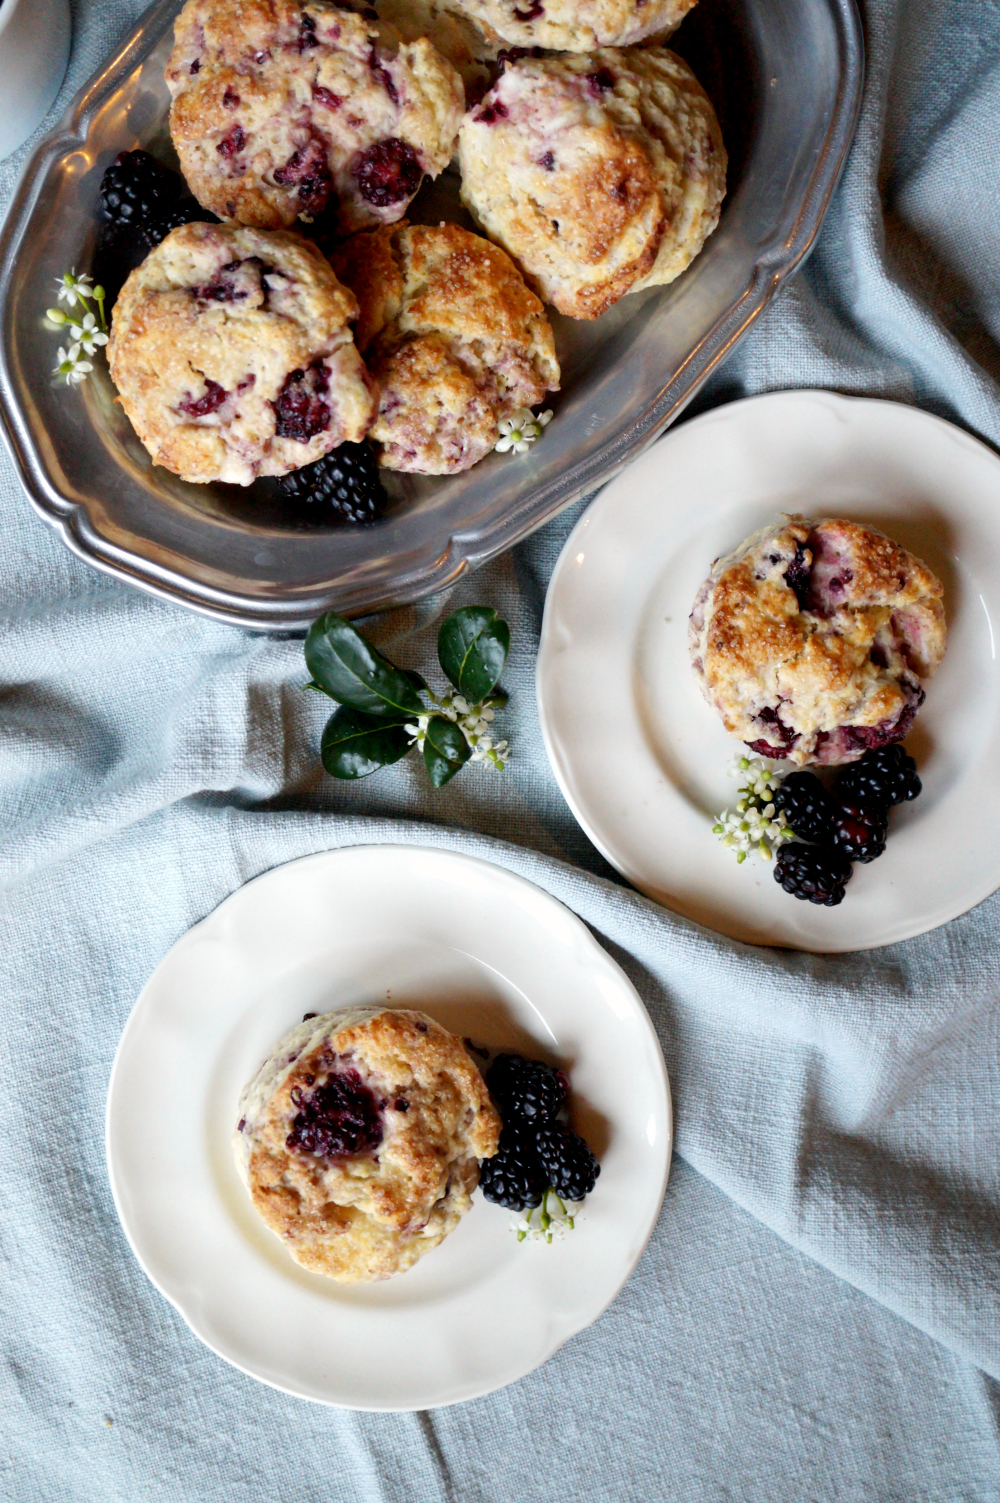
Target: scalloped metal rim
459,551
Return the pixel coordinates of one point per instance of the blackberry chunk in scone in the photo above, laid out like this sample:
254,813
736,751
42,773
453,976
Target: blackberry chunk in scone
811,640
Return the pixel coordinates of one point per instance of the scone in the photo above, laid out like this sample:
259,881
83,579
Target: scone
233,356
601,174
471,45
453,337
283,109
580,25
359,1139
811,639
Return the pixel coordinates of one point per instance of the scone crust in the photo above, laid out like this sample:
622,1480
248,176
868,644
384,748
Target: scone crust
469,43
600,173
821,669
374,1214
454,338
278,106
206,336
580,25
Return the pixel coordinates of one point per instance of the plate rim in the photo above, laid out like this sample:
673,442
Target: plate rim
474,1390
453,552
554,752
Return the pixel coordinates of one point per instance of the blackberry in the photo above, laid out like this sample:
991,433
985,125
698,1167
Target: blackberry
337,1119
186,210
881,779
136,189
513,1177
814,873
344,482
807,806
526,1088
571,1167
859,832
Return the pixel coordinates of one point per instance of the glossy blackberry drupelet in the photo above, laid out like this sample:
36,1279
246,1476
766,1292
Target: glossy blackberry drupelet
814,873
571,1167
513,1177
526,1088
344,484
137,189
807,806
859,832
881,779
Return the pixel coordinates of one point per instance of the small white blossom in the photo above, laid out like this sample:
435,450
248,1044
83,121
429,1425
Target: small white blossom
74,289
472,720
86,333
518,433
542,1224
72,366
755,825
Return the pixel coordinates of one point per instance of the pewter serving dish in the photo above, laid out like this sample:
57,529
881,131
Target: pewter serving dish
786,80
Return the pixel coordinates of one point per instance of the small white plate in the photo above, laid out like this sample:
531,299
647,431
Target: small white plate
640,756
491,957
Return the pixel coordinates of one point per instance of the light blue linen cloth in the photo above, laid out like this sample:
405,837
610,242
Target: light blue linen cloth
818,1314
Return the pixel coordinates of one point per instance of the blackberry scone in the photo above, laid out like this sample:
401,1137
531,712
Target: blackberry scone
359,1139
453,337
580,25
233,355
285,110
811,640
601,173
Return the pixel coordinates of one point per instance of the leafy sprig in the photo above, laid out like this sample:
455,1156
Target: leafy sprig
384,711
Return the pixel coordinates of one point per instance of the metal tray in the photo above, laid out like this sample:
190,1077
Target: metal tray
786,81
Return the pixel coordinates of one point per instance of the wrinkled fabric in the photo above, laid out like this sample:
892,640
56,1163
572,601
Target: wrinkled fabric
818,1313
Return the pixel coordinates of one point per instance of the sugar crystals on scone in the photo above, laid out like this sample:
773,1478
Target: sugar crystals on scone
233,355
453,337
359,1139
285,110
601,173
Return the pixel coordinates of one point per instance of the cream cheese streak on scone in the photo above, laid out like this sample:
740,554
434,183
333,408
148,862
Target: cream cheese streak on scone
453,337
283,109
811,640
233,354
359,1139
601,173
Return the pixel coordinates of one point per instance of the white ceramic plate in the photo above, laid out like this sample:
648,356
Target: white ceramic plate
641,757
491,957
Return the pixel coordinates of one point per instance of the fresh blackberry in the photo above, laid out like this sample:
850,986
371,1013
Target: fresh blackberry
344,482
136,189
814,873
881,778
571,1167
526,1088
807,806
186,210
513,1177
859,831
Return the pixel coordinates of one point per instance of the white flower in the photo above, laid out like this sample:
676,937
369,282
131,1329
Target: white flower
548,1224
755,825
71,366
74,289
418,732
518,432
86,333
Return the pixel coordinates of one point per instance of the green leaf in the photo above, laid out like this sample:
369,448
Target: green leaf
350,670
472,648
445,750
355,744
